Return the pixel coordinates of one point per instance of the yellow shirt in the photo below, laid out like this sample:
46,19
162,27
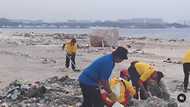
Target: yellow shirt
119,89
130,88
145,70
186,57
71,49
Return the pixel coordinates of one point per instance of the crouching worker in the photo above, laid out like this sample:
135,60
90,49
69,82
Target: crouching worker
122,88
97,74
140,73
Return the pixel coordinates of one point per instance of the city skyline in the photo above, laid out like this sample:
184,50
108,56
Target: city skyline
62,10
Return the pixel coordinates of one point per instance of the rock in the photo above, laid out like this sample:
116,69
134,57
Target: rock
104,37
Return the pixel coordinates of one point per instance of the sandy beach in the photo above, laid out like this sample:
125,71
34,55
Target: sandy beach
36,58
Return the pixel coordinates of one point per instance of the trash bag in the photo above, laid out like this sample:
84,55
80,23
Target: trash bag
117,104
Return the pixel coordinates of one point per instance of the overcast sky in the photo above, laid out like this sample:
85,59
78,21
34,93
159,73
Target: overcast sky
60,10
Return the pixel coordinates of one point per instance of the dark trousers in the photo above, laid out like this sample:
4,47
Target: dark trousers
186,70
91,96
67,62
142,93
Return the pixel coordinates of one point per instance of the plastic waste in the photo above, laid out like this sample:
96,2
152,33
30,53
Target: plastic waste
117,104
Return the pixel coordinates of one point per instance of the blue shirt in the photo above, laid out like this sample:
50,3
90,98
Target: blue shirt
100,69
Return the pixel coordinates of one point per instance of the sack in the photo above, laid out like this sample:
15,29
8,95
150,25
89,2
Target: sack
117,104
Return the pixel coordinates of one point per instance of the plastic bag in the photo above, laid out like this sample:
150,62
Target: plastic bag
117,104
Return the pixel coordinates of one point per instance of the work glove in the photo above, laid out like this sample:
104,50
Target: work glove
112,96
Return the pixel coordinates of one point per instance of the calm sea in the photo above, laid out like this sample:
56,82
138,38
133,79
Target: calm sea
172,33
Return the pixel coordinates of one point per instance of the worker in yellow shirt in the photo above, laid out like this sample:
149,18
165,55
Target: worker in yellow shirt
71,49
121,88
186,69
140,73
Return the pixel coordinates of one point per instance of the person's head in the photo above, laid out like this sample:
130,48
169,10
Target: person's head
157,76
73,41
124,74
120,54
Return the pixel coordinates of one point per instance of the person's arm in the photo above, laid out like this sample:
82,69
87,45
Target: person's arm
63,47
104,74
105,85
78,46
141,86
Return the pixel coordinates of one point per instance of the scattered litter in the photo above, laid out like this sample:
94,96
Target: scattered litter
168,60
47,61
53,92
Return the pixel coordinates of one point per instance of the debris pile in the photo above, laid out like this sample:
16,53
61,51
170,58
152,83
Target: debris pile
35,38
59,92
53,92
153,102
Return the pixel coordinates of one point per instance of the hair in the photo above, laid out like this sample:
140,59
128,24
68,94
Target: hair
160,75
120,53
134,62
73,40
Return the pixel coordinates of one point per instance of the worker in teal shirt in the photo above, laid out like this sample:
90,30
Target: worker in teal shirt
97,74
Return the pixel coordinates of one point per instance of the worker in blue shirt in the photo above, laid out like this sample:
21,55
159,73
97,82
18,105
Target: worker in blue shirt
97,75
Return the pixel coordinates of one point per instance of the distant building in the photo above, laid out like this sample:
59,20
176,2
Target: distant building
143,20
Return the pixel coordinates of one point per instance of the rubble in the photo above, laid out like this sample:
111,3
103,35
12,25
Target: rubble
153,102
58,92
53,92
35,38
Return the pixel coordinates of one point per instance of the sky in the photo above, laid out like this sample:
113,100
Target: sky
61,10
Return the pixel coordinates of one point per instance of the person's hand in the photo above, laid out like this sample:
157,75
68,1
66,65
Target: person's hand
112,96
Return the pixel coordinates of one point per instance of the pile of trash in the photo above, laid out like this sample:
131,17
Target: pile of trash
53,92
153,102
59,92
